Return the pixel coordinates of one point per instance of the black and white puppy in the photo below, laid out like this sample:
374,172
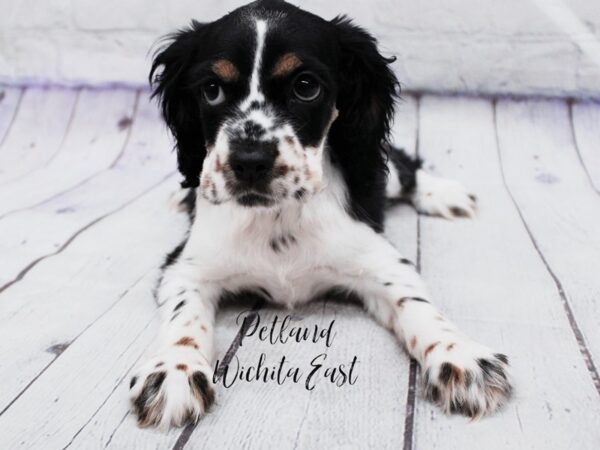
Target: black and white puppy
281,122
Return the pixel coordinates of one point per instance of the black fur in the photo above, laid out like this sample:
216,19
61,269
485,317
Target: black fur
344,57
407,167
173,255
199,381
173,86
358,138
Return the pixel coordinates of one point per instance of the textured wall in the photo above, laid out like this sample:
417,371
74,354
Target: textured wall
548,47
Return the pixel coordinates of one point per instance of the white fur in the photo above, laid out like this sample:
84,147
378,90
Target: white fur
438,196
255,93
230,247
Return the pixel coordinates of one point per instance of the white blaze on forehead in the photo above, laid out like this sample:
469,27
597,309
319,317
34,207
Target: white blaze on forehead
259,117
255,94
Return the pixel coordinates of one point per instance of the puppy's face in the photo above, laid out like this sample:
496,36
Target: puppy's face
251,99
265,116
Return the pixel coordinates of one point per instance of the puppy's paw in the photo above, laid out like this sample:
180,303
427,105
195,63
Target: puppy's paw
467,378
437,196
172,389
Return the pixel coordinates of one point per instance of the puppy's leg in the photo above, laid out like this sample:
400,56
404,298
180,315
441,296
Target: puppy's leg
459,374
174,386
429,194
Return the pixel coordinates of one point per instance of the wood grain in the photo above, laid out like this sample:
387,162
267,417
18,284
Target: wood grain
95,142
97,222
10,99
38,131
560,209
63,296
147,155
373,411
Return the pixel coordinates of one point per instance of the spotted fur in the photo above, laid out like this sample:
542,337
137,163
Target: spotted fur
306,218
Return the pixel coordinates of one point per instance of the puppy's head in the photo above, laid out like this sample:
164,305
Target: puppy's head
252,97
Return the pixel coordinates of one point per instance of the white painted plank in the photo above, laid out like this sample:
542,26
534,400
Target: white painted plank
9,106
488,278
586,126
37,132
404,126
67,394
51,412
95,141
560,207
64,294
146,159
289,416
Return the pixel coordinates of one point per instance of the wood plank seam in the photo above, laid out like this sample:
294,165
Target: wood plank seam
585,353
13,118
28,385
68,242
117,384
136,104
92,176
41,372
577,150
409,418
64,138
186,433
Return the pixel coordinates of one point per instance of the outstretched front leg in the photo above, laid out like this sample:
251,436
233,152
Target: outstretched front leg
430,194
459,374
174,386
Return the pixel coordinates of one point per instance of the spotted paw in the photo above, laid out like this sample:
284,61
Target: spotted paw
468,379
437,196
172,389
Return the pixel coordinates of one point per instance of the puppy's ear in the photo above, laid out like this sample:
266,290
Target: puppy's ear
367,91
368,87
173,87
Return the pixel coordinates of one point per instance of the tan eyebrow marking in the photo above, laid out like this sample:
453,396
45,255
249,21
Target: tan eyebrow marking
286,64
226,70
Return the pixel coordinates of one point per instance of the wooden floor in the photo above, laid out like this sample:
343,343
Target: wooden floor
85,181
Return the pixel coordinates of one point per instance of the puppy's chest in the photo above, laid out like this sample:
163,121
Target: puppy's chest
293,261
289,264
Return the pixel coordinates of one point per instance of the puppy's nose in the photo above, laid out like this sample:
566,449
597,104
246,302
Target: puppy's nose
252,165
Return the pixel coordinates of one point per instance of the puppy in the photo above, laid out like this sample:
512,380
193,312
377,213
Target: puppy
281,123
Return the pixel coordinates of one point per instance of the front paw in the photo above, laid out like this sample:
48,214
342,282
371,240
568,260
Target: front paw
438,196
172,389
467,378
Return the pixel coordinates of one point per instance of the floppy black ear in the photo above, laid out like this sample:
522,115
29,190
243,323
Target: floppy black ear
173,87
368,89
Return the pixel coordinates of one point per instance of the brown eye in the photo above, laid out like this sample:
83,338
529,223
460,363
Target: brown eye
213,93
306,87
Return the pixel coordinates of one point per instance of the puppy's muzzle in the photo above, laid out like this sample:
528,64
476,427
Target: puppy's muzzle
252,163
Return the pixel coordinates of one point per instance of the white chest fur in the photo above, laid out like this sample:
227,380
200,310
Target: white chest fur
294,252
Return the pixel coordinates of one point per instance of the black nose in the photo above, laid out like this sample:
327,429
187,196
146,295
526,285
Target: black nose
252,164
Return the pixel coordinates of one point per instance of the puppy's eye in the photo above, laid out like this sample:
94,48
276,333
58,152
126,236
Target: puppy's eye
306,87
213,93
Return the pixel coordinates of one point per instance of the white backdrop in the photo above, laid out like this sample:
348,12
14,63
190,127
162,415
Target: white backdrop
543,47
